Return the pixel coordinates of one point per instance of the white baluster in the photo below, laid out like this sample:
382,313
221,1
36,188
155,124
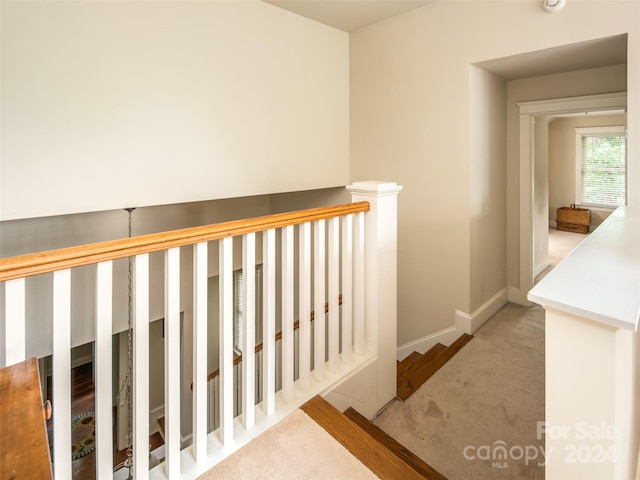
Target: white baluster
141,366
226,340
358,285
199,446
14,323
103,370
249,330
172,361
62,373
334,293
287,314
269,321
319,299
347,287
304,305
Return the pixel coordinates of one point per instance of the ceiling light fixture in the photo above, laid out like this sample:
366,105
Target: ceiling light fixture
551,6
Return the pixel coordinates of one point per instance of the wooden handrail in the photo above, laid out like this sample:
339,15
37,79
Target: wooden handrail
52,260
260,346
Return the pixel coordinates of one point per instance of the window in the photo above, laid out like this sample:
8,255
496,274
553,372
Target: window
601,166
238,302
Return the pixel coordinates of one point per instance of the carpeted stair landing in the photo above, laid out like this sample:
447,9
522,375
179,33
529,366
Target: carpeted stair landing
319,442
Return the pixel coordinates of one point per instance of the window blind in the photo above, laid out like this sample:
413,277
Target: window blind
238,297
238,302
604,169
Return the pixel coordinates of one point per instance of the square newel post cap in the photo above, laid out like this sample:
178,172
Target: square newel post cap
374,188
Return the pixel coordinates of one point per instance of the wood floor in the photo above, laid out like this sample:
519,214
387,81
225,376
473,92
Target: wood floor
83,400
416,369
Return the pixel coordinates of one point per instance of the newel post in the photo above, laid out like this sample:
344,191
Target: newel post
380,266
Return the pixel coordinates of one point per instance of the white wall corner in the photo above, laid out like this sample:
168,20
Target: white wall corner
463,323
519,297
470,323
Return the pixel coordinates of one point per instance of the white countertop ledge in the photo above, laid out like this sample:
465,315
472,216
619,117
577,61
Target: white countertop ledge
600,279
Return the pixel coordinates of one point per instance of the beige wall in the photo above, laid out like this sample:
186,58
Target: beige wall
562,154
487,187
107,105
411,99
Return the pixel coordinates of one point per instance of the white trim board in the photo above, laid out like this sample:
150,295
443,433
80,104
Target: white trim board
421,345
471,323
464,323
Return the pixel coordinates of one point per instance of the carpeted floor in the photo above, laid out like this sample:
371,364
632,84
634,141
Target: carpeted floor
303,451
476,418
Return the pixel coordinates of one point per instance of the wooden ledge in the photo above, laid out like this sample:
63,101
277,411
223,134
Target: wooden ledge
24,448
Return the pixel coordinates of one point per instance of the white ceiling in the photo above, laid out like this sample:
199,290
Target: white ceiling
349,15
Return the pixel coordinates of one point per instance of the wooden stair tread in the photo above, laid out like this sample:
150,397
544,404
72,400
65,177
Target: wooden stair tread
365,448
391,444
420,375
406,374
408,361
24,448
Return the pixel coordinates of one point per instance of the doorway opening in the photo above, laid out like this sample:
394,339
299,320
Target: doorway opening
529,111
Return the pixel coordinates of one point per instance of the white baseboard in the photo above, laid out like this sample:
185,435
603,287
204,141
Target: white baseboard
541,267
421,345
464,323
518,296
469,323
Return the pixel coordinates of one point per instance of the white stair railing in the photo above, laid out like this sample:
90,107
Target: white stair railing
284,374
